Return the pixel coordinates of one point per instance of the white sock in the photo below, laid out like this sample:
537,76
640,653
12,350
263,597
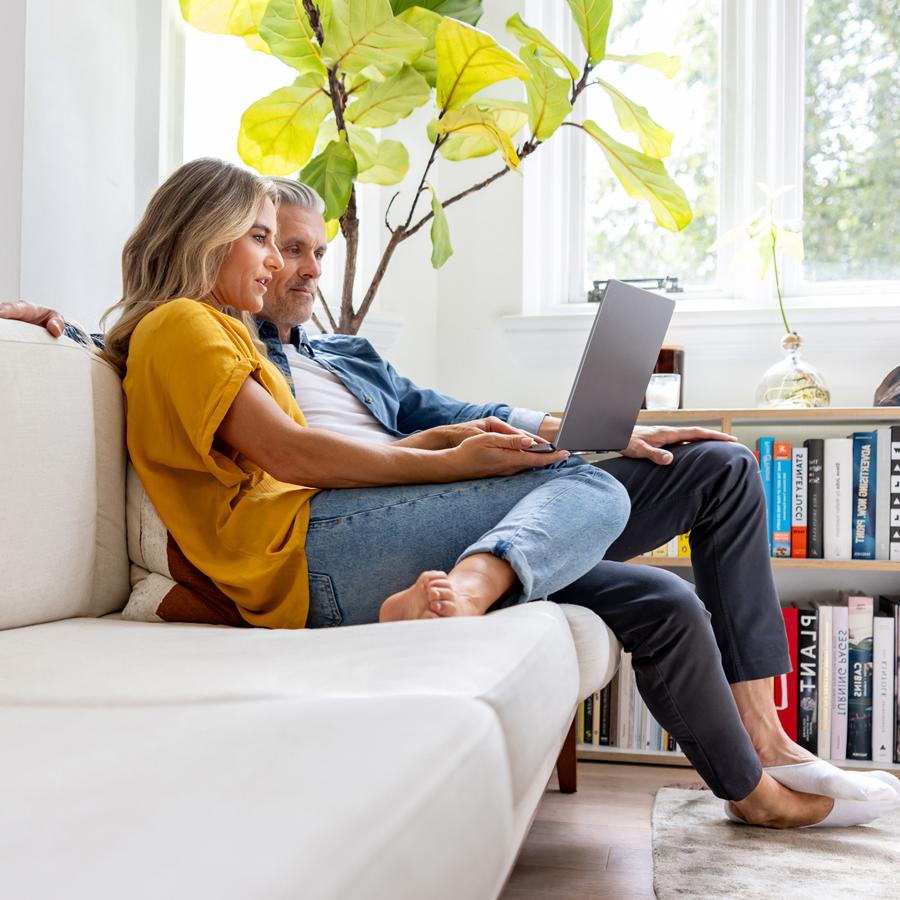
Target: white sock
820,777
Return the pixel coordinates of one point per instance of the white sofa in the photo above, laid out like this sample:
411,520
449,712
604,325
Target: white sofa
160,760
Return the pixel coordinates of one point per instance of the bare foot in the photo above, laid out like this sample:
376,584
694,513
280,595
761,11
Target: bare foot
430,596
774,806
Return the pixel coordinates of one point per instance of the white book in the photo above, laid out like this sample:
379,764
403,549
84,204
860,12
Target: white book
672,548
647,730
840,682
884,660
826,674
798,487
882,493
894,526
626,678
837,483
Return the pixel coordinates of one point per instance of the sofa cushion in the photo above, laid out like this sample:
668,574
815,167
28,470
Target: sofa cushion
519,661
596,646
374,798
62,520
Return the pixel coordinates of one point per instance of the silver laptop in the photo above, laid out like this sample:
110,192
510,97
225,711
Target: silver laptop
619,357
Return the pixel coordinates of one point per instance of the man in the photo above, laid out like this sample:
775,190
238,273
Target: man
702,660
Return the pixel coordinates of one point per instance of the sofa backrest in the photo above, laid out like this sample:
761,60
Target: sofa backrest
62,469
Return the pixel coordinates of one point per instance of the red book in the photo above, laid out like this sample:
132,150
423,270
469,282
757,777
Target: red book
786,685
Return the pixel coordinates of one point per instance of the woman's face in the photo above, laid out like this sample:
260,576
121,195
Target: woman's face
249,264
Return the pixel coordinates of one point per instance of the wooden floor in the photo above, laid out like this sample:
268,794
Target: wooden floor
594,843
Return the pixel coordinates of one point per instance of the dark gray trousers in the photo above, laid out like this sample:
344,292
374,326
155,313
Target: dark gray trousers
689,642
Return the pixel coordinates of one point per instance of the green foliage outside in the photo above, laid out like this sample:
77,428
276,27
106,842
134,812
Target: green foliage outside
364,65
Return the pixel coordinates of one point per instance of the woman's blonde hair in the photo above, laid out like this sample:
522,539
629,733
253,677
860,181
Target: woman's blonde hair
178,248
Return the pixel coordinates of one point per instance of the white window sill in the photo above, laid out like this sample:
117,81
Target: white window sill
712,312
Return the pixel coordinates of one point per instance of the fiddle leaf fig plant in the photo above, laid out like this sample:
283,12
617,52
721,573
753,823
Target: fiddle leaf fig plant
362,66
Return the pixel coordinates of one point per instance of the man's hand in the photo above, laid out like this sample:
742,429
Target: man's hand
23,311
647,441
445,437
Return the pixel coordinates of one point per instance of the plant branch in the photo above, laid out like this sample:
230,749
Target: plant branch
317,323
787,327
327,309
437,143
315,20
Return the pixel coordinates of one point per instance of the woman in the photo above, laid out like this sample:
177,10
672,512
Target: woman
242,484
305,528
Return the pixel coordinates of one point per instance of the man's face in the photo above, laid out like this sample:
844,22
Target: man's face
292,291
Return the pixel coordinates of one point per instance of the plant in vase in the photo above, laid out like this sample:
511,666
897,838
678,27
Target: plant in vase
361,67
790,382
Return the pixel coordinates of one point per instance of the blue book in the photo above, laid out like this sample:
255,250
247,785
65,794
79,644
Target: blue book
766,447
864,477
782,466
859,706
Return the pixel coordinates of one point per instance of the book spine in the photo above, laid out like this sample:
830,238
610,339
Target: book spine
765,446
883,494
587,725
815,462
897,683
837,479
603,736
894,547
883,657
798,502
825,675
859,706
865,479
623,734
781,521
613,709
786,685
598,712
839,645
808,680
684,545
672,548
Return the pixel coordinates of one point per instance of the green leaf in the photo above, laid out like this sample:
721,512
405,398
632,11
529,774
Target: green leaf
390,165
662,62
592,19
441,249
383,103
278,133
362,142
238,17
509,116
472,122
547,51
468,60
426,23
364,35
464,10
285,28
644,178
548,95
332,227
331,174
655,140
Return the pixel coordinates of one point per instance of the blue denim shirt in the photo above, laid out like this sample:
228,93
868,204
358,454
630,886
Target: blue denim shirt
401,406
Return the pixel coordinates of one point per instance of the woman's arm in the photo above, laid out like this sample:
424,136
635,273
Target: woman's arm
259,429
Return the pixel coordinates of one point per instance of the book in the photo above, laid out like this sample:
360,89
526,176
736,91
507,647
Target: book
894,544
786,685
883,493
613,709
781,499
798,502
602,734
839,651
684,545
765,446
626,677
598,712
865,478
587,723
837,507
672,547
815,462
808,679
883,674
859,706
826,673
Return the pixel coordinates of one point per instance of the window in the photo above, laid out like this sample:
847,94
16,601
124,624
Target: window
784,92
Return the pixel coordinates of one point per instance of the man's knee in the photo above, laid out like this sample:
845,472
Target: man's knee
674,601
717,459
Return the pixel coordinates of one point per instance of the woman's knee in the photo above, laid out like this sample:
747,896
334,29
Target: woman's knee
611,494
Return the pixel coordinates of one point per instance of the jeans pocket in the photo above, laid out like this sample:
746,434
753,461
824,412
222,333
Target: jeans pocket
324,609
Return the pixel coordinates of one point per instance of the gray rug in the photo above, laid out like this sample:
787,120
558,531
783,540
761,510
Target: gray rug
697,852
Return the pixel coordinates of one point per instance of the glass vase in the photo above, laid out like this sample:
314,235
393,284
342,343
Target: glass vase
792,382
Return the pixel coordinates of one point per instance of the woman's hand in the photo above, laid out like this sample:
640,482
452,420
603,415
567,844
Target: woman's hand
445,437
491,454
23,311
647,441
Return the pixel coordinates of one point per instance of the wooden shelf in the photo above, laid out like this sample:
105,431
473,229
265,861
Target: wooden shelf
831,415
816,565
589,752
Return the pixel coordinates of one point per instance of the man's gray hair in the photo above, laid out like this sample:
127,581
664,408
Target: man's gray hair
295,193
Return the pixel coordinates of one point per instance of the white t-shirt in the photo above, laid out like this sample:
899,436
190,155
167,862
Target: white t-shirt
327,404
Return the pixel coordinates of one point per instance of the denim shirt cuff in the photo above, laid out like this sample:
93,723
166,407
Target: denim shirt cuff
526,419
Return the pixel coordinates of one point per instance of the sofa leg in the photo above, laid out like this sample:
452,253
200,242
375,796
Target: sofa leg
566,765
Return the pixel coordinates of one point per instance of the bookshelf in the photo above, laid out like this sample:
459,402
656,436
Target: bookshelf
797,579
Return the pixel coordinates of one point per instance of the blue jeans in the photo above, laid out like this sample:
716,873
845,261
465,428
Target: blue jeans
551,525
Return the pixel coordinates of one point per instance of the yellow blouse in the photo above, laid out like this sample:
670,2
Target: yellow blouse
239,526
